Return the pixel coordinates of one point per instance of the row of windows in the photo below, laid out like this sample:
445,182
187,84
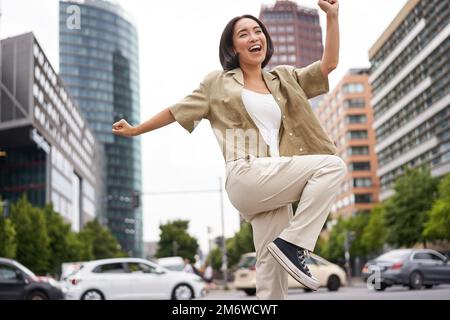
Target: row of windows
71,42
354,103
356,118
359,166
439,89
283,58
86,57
353,88
283,48
106,35
357,134
430,158
401,32
433,27
428,129
436,66
357,150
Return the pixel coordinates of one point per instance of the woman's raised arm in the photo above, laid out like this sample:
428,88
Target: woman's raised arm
123,128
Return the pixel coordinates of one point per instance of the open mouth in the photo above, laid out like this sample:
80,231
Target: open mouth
255,48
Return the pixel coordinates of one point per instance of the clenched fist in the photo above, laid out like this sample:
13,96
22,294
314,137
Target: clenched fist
123,128
329,6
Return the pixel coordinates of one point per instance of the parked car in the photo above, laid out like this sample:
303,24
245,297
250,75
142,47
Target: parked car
329,274
172,263
19,283
415,268
131,278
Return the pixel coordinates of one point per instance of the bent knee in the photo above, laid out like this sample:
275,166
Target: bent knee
339,163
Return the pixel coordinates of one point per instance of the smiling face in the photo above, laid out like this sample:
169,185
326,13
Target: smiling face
249,42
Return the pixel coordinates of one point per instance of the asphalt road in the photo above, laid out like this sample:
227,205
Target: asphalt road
357,292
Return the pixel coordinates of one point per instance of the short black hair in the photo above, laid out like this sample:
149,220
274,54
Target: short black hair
228,59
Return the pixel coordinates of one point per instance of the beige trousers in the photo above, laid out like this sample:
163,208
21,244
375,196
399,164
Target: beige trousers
263,190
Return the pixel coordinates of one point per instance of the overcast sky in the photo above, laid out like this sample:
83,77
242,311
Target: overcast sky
179,43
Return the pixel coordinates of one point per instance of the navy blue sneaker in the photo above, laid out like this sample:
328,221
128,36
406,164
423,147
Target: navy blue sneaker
293,259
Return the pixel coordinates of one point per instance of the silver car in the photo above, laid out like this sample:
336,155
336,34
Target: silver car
415,268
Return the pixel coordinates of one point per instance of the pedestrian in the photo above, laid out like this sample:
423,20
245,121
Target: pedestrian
188,266
275,150
208,276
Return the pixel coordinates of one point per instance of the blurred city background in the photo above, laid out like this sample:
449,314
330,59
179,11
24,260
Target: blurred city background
71,192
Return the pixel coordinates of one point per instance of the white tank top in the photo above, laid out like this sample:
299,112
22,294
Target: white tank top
266,114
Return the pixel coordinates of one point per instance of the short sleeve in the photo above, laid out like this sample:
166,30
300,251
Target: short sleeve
194,107
312,80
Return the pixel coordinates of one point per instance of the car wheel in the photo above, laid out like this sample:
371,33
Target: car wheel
92,295
415,280
333,283
428,286
307,290
381,287
37,295
250,292
182,292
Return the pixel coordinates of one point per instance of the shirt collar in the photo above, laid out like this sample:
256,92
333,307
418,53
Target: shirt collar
239,77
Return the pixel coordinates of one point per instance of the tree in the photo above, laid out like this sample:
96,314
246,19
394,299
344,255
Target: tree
175,240
406,213
375,233
334,248
31,234
356,224
99,241
8,244
240,243
62,241
438,224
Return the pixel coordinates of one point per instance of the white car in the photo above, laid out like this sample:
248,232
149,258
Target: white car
130,278
329,274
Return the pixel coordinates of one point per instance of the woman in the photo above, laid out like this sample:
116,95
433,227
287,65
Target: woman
275,150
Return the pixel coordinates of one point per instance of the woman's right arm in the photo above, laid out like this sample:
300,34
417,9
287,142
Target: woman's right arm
123,128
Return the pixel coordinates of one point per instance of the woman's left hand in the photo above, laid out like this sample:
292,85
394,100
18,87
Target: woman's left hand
329,6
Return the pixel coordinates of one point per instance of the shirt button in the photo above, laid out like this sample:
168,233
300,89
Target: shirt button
301,149
291,134
284,117
279,98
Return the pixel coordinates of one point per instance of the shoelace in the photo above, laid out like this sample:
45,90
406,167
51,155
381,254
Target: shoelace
302,256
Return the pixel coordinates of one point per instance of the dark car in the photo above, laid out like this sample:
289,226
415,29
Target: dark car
415,268
19,283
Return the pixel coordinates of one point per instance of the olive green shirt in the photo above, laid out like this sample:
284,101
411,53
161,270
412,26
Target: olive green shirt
218,99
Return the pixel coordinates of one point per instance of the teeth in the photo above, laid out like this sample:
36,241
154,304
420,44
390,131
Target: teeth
255,47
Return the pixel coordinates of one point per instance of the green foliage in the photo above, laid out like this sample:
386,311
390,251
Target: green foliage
31,234
101,241
406,212
8,245
240,243
375,233
438,225
41,240
176,241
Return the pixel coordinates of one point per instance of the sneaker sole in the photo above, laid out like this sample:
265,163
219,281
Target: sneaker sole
291,268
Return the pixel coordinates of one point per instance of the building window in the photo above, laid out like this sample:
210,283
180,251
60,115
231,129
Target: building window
357,134
362,182
360,166
358,150
356,119
353,88
355,103
363,198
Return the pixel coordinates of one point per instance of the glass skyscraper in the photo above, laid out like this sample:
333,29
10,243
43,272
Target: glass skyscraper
99,64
